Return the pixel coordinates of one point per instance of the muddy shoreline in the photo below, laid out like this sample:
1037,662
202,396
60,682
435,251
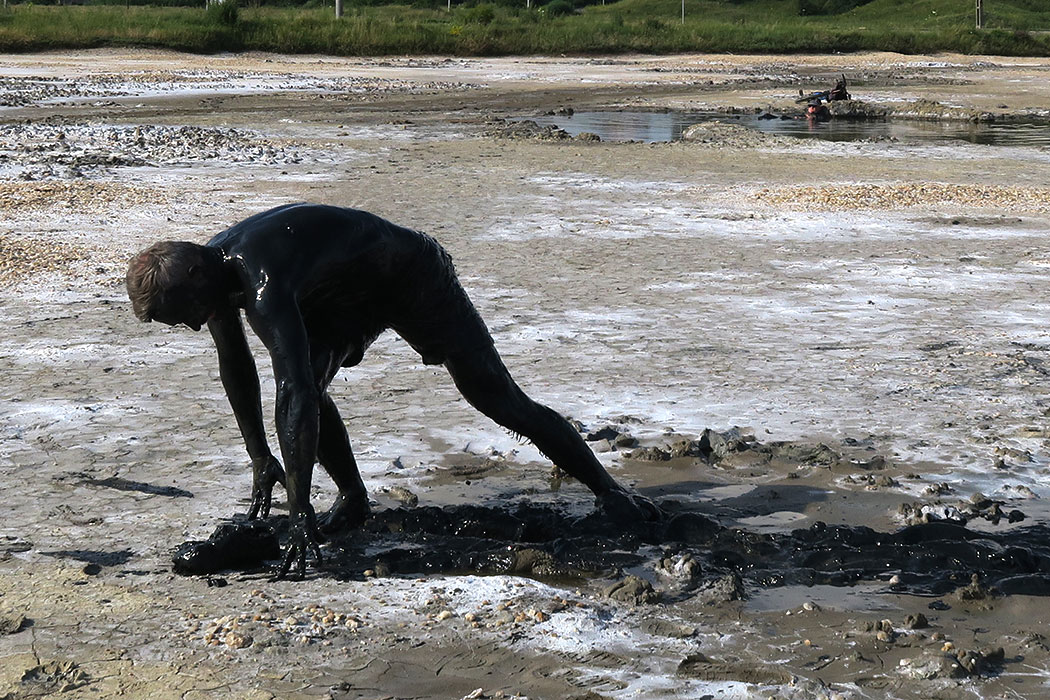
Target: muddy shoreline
827,361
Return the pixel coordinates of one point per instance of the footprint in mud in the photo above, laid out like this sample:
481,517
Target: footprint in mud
50,679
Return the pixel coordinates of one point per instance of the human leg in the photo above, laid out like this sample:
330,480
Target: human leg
336,456
484,381
443,326
334,452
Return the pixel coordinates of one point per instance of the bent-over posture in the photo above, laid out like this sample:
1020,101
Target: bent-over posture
318,284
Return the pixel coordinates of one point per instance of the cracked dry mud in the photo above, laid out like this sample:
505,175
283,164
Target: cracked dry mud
872,316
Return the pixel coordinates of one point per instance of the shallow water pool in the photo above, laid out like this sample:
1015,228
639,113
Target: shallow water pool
654,127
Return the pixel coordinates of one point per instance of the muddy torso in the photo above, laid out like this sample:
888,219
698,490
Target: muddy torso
350,275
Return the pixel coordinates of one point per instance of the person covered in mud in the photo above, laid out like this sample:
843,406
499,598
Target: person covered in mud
318,284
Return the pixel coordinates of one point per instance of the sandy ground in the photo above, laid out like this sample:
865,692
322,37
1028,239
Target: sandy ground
885,300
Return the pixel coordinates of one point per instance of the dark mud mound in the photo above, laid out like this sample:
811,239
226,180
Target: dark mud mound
546,543
239,544
528,130
931,558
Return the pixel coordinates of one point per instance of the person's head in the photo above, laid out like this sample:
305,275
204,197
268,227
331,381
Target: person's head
175,282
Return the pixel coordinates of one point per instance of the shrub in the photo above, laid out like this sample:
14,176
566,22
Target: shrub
828,7
479,14
558,8
223,12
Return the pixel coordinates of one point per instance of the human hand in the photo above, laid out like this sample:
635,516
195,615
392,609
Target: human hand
266,472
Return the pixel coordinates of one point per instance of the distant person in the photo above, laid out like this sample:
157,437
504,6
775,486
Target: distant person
318,284
817,111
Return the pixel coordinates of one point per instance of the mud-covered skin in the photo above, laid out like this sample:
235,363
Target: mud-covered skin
266,472
318,284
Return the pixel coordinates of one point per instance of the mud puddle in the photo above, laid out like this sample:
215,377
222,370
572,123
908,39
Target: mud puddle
658,127
695,544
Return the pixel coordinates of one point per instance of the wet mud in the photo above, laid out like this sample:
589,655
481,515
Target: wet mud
544,543
934,554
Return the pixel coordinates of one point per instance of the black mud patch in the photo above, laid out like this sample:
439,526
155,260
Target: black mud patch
239,544
688,552
975,221
546,543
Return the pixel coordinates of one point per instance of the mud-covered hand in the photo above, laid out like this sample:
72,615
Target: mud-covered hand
266,472
628,506
303,538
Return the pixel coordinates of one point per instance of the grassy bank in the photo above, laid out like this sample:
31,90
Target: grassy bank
650,26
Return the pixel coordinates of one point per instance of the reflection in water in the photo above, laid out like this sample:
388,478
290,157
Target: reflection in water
654,127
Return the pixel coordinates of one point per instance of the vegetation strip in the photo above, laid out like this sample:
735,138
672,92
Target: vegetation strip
1012,27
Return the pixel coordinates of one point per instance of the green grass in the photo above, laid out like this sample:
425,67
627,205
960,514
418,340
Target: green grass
650,26
31,28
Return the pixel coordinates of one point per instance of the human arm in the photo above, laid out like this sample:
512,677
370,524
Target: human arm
240,379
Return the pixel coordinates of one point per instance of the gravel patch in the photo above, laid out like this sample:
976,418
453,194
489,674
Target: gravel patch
23,91
42,151
22,257
526,130
80,196
904,195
